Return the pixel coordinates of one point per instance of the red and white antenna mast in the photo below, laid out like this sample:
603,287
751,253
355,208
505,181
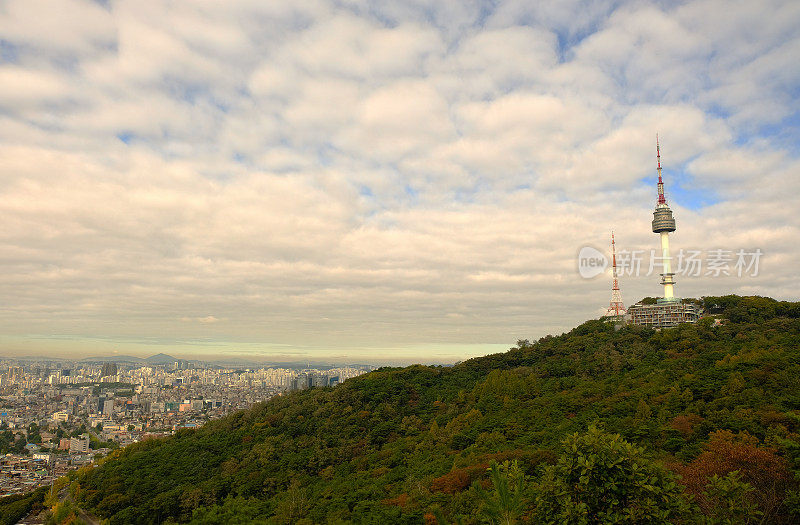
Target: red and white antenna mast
616,308
661,198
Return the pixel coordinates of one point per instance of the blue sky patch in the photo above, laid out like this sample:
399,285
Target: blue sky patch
125,136
682,189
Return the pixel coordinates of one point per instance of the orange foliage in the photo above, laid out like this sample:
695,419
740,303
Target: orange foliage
430,519
399,501
759,466
458,479
685,424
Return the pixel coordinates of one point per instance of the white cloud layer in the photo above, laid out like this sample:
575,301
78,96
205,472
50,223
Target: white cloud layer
337,177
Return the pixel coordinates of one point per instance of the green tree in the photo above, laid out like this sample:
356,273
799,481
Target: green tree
294,504
792,451
731,501
33,434
19,444
504,505
601,478
14,508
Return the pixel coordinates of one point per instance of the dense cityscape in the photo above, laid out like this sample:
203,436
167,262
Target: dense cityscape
57,416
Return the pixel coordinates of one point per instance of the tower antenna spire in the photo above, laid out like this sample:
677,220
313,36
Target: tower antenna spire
658,155
661,198
616,309
614,259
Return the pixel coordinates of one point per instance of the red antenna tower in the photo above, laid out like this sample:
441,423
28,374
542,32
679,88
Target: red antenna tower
661,198
616,308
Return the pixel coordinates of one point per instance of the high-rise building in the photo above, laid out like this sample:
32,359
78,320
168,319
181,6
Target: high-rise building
109,369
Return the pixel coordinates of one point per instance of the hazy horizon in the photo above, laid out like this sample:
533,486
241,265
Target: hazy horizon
214,352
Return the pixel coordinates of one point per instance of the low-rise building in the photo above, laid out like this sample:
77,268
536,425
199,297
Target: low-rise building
60,417
664,314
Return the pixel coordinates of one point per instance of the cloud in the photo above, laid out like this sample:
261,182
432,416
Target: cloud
370,175
22,88
50,31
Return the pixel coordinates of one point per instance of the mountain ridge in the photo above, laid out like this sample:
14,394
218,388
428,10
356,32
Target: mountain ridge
395,445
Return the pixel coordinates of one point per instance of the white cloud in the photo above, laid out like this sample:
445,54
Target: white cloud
398,120
21,88
331,176
57,29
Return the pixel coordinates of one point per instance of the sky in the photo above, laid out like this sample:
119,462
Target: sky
379,181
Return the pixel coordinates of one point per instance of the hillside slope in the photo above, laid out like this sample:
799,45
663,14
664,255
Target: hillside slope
390,446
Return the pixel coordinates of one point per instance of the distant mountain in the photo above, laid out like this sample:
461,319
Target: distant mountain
297,365
239,362
236,362
160,359
400,445
113,359
40,358
223,362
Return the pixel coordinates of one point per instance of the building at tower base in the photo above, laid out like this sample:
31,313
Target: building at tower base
666,313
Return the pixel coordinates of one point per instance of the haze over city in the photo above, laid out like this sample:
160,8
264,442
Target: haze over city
377,181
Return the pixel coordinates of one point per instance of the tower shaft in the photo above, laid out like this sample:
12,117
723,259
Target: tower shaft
666,277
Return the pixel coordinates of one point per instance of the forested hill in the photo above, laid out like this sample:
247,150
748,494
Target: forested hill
412,445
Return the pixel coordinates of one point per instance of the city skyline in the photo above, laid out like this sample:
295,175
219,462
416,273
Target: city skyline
369,182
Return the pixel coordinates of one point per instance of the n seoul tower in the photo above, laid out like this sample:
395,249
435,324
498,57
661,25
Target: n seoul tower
663,224
669,310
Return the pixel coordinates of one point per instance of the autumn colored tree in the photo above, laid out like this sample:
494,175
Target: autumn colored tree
761,467
685,423
458,479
